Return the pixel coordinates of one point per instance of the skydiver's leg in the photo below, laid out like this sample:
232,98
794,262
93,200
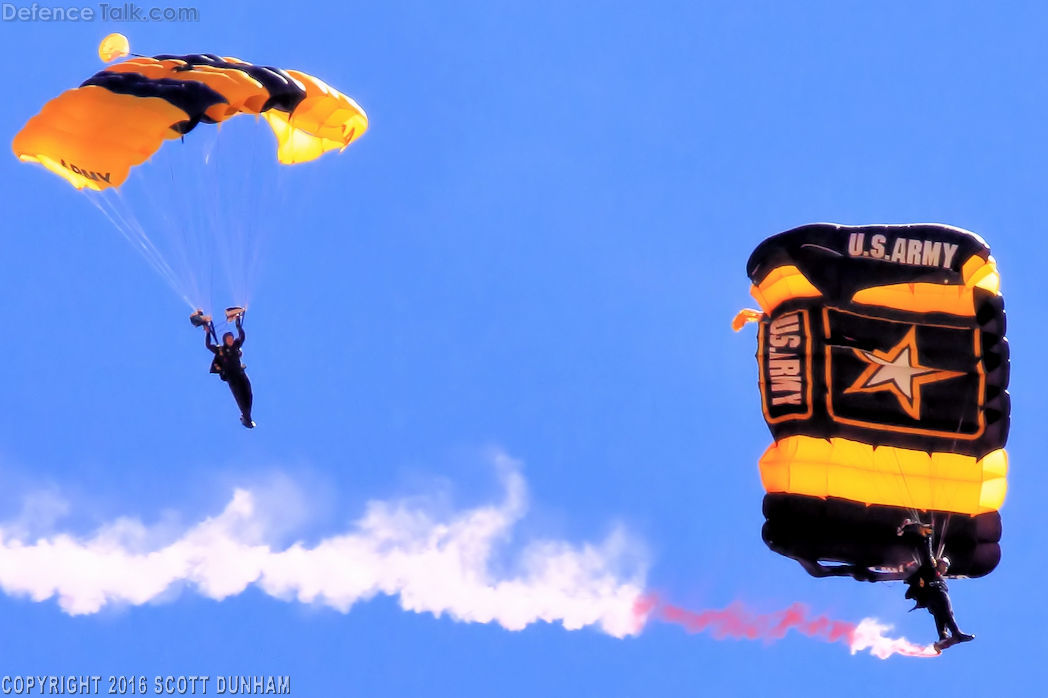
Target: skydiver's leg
249,398
240,386
237,388
940,625
947,612
942,610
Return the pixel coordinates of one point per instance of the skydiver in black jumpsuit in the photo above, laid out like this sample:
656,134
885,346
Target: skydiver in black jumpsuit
229,368
927,585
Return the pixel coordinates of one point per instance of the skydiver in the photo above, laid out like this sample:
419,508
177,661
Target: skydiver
926,585
925,581
227,365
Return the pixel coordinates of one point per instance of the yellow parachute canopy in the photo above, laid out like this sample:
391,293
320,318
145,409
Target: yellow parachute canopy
94,134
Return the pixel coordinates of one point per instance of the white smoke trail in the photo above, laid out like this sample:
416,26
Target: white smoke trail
431,565
439,565
870,634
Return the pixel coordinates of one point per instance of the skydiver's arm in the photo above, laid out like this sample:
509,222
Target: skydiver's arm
924,550
207,340
240,333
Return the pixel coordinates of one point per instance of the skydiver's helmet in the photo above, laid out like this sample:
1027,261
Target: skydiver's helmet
227,339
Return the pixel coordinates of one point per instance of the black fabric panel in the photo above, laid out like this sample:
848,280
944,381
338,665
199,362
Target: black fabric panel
949,407
284,92
194,98
841,531
827,255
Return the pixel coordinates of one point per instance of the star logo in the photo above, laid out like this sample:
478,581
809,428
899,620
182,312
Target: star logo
900,372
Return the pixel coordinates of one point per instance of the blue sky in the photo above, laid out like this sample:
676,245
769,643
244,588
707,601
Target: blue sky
537,247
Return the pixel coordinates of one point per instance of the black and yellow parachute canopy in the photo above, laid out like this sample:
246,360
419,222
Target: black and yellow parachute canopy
883,373
94,134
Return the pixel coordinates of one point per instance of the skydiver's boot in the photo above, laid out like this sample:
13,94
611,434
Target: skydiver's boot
246,421
964,637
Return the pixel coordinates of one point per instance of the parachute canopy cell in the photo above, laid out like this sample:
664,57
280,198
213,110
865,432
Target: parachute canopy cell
94,134
883,372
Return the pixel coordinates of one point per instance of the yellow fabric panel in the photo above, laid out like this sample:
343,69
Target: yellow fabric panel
996,463
921,298
993,493
982,273
943,298
92,137
885,475
775,471
324,120
782,284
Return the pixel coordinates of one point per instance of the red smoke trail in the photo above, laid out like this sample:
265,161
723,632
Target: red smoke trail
738,623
